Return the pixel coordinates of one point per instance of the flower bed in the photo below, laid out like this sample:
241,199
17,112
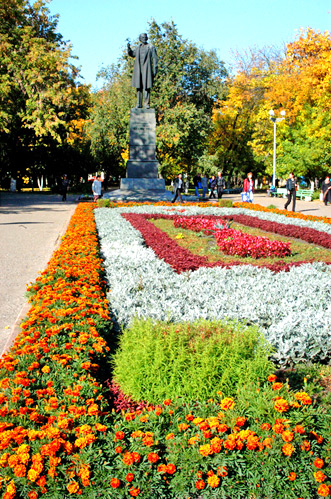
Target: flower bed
235,242
297,324
290,214
58,440
51,405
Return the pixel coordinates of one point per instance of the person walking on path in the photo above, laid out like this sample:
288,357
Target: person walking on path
96,188
178,189
196,182
213,184
64,187
248,189
326,190
220,182
204,184
291,191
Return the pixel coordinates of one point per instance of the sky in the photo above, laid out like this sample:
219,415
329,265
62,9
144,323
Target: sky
99,29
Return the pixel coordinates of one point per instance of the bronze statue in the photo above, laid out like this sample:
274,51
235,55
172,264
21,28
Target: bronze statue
145,69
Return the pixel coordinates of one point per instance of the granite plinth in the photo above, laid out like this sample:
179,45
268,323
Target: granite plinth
142,169
145,184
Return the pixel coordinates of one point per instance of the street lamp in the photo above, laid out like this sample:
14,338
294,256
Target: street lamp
275,121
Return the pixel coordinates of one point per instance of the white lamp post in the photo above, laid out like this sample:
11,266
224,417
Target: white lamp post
275,121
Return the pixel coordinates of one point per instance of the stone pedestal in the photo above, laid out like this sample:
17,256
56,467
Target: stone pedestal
142,169
142,162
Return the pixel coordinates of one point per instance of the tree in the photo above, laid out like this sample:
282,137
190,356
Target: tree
38,89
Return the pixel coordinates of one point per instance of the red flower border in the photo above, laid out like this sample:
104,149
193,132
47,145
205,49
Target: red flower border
182,260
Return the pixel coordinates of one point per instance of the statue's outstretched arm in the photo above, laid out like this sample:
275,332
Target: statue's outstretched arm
131,53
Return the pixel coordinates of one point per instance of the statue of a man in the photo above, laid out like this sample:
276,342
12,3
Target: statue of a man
145,69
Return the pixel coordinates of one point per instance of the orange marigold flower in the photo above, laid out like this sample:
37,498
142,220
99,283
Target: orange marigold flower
115,483
134,492
230,444
278,428
200,484
153,457
148,441
171,469
206,450
162,468
183,426
319,476
189,417
170,436
265,426
73,487
119,435
216,445
318,438
292,476
129,477
20,470
222,428
100,427
299,429
33,495
305,446
272,378
144,419
213,481
323,490
118,449
287,436
93,410
227,403
304,398
240,421
267,442
318,463
167,402
33,475
281,405
288,449
277,386
158,411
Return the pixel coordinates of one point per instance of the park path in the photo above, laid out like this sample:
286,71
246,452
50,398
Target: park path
31,226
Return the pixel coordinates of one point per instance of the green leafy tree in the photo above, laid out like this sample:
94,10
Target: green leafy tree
38,84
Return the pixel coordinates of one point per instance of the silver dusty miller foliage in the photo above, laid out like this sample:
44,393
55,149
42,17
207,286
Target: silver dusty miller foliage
293,308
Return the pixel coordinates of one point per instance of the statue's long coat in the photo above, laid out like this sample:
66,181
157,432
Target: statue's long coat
143,76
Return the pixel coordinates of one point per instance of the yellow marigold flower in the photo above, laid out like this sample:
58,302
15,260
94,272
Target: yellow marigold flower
304,398
287,436
170,436
288,449
319,476
281,405
324,490
73,487
227,403
213,481
206,450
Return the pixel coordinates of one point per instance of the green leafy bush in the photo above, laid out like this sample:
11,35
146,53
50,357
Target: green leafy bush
191,360
103,203
225,203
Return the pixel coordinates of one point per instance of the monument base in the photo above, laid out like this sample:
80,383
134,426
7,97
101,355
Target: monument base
146,184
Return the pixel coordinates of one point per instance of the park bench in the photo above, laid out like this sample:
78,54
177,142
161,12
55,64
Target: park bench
305,194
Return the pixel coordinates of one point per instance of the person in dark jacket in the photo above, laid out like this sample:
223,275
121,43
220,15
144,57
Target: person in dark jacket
178,189
291,191
213,184
220,182
326,190
144,70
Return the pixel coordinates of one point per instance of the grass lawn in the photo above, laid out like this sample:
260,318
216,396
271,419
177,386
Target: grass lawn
202,245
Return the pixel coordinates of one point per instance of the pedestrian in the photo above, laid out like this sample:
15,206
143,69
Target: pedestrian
326,190
204,184
213,184
248,189
178,189
64,187
96,188
291,191
220,182
196,182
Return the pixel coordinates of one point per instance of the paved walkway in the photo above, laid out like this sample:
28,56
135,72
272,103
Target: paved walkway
30,228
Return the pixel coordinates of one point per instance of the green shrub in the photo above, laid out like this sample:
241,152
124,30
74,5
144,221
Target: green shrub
225,203
190,360
272,207
103,203
316,195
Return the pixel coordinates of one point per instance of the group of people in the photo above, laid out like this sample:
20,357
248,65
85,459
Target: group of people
214,185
